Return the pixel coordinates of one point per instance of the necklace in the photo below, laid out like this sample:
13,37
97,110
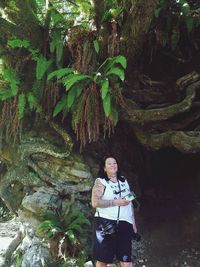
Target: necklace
113,179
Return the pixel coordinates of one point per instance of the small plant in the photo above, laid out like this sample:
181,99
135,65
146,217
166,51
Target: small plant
63,233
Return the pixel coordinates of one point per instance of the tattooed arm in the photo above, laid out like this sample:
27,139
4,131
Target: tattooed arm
97,194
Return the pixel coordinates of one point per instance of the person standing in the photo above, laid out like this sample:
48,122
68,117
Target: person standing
108,198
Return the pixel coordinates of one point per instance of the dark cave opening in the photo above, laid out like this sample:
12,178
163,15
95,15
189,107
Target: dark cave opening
169,215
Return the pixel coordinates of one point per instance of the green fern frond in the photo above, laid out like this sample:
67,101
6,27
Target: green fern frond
5,94
60,73
45,226
21,105
77,229
116,71
59,51
35,53
37,89
70,234
12,81
33,102
10,76
54,231
72,79
17,43
76,217
42,66
60,106
50,215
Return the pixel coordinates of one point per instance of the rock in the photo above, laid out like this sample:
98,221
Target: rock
8,231
88,264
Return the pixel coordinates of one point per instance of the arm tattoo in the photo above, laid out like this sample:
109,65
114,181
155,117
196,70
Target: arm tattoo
97,193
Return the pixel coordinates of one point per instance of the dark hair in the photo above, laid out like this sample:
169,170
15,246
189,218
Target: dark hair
103,174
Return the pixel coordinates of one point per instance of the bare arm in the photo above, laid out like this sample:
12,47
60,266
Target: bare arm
97,194
134,223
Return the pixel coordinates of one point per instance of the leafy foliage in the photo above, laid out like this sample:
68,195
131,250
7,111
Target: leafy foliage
67,229
70,69
12,82
175,21
81,89
75,83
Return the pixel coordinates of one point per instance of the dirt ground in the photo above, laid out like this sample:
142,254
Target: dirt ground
170,229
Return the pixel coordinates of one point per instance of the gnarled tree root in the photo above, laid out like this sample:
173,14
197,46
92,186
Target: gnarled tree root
186,142
142,116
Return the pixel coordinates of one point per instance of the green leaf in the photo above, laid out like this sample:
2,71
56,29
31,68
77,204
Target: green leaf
121,60
70,97
114,116
189,23
185,8
21,105
96,46
71,79
60,73
35,53
18,43
76,227
45,226
10,76
79,90
57,17
60,106
70,235
116,71
104,88
110,62
53,45
157,12
5,94
59,51
42,66
50,215
33,103
107,105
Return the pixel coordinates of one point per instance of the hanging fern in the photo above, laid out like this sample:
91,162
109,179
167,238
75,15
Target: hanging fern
42,66
89,96
12,81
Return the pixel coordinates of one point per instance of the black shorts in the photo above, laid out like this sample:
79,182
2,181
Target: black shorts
117,246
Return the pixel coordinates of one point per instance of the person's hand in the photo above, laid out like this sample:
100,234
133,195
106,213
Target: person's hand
121,202
134,228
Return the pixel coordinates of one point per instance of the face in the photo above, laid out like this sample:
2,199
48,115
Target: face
111,167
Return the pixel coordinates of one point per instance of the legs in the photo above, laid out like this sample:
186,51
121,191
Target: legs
122,264
126,264
101,264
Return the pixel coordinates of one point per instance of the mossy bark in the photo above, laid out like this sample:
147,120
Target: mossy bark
136,25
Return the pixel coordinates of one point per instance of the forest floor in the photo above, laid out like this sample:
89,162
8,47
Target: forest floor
170,229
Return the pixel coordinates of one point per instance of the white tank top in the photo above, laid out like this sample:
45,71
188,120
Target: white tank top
112,191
